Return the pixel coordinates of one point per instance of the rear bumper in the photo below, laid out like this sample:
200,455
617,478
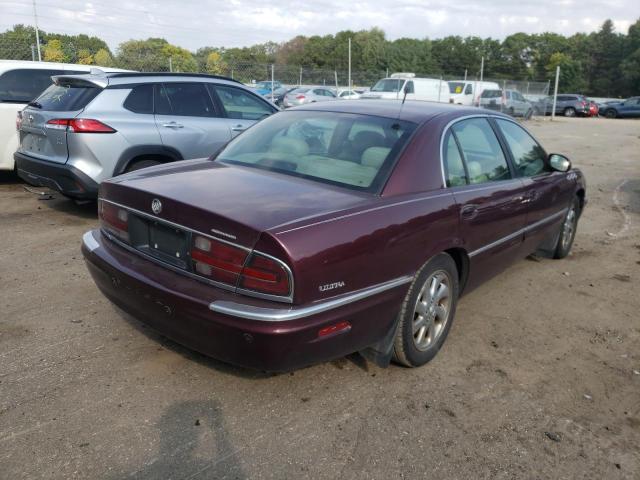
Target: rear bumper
64,178
184,310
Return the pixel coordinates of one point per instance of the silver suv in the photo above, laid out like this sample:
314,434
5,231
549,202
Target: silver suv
86,128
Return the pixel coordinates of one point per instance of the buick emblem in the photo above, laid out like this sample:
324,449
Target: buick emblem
156,206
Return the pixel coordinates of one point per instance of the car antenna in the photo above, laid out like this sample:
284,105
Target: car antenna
405,90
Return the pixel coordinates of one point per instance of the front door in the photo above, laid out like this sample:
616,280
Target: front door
240,109
187,120
489,198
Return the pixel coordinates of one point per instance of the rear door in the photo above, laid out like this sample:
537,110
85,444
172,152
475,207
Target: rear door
43,132
240,109
188,120
488,196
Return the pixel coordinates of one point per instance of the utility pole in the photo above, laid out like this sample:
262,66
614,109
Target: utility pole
35,19
272,83
349,76
481,76
555,93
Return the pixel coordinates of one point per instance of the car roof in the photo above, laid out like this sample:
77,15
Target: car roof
124,77
412,110
6,65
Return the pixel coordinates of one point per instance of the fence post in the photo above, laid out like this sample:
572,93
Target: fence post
170,65
504,95
272,83
232,73
439,88
300,84
33,53
555,93
465,74
349,76
335,74
481,76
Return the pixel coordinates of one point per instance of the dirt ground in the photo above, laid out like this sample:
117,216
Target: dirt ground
539,378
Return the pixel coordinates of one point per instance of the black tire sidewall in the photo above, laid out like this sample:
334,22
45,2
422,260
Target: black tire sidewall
567,112
414,356
560,251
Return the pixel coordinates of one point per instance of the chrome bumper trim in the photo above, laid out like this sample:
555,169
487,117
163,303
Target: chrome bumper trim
89,241
284,314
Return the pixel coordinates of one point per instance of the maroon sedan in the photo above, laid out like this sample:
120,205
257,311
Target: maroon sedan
330,229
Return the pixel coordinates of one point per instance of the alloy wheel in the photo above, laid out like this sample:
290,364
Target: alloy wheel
431,312
569,228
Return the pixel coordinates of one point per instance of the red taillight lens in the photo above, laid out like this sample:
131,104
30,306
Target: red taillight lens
228,264
300,97
80,125
338,327
216,260
265,275
115,220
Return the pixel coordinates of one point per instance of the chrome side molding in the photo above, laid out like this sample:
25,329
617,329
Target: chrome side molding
251,312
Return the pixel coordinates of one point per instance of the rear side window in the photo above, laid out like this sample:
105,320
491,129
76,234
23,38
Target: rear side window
140,100
453,164
67,98
482,152
240,104
23,85
491,94
184,99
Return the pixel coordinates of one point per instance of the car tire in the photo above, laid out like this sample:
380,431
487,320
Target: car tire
427,312
511,112
528,115
610,113
567,231
569,112
140,164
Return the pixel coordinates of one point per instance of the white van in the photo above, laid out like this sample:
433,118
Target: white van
430,89
20,82
467,92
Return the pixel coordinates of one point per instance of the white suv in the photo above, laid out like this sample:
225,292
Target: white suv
20,82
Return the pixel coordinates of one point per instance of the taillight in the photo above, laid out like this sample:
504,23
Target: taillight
300,97
228,264
18,120
265,275
114,219
217,260
80,125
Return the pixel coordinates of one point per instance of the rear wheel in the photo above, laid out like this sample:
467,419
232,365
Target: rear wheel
427,312
140,164
611,113
528,114
569,112
567,231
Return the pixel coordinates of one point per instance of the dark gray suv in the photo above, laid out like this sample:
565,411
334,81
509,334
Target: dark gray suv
567,104
86,128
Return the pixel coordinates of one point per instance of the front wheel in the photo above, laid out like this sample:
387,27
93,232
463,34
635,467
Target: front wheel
567,231
528,114
569,112
427,312
140,164
611,113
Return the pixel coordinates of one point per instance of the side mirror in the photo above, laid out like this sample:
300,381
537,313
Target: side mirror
559,162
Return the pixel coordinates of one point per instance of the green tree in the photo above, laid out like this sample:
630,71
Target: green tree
53,51
15,44
571,79
103,58
215,65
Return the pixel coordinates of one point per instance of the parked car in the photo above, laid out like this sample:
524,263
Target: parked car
593,108
394,87
346,94
278,98
331,228
303,95
569,105
467,92
86,128
21,82
625,109
508,101
264,88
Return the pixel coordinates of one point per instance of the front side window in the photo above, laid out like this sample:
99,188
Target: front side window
468,90
491,94
388,85
240,104
140,100
184,99
409,88
349,150
23,85
456,87
528,156
482,152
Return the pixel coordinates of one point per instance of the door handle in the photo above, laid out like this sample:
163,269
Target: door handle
173,125
239,128
469,211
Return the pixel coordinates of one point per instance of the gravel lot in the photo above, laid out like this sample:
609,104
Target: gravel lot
539,378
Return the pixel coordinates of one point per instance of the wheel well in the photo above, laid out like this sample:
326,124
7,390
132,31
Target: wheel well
580,195
155,157
461,258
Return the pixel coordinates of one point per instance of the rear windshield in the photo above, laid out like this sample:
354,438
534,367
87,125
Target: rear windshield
388,85
349,150
456,87
491,94
66,98
299,90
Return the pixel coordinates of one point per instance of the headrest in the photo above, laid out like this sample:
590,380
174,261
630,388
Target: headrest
374,156
290,146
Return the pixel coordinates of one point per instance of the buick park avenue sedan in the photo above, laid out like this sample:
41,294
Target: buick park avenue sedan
331,228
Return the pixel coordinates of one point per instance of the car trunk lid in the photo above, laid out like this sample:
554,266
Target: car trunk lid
233,203
43,134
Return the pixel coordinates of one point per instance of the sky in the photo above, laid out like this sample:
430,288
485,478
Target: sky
234,23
